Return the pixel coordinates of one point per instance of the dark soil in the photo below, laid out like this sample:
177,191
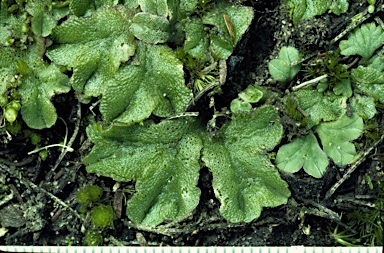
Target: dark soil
42,209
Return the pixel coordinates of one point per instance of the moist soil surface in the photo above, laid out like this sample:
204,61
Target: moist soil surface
41,208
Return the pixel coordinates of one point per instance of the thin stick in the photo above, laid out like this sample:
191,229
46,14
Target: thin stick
67,148
353,25
301,60
12,171
184,114
351,169
213,85
69,144
309,82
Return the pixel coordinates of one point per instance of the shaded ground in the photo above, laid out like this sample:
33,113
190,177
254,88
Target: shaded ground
42,209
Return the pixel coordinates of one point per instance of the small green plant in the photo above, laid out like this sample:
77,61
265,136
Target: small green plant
323,111
245,98
343,238
335,139
282,69
307,9
336,74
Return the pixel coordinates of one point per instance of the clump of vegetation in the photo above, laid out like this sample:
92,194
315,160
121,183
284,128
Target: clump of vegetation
88,195
101,215
307,9
134,56
250,95
324,110
93,238
370,222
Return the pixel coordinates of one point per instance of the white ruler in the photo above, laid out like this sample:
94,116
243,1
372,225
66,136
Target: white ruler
106,249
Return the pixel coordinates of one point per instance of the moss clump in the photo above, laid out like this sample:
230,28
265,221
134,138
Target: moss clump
93,238
102,216
89,194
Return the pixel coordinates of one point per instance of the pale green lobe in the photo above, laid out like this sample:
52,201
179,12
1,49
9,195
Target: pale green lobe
94,47
336,136
221,41
344,88
243,103
339,6
155,7
320,107
150,28
38,85
364,106
251,94
44,17
131,4
307,9
363,41
42,21
370,79
180,9
187,7
281,69
162,158
79,7
244,180
196,40
155,85
303,152
36,91
315,7
238,105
